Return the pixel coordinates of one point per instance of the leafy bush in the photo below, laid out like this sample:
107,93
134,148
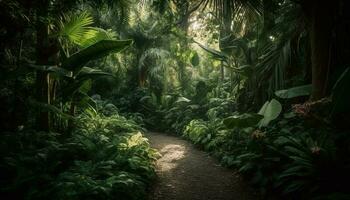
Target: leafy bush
180,113
103,158
197,131
289,155
313,165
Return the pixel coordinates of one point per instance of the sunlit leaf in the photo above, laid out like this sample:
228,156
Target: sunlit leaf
74,27
270,110
182,99
215,53
95,35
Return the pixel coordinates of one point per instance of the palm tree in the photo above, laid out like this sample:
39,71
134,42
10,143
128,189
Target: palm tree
321,17
48,46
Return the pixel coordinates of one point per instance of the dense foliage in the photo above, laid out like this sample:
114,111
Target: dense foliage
260,84
290,155
104,157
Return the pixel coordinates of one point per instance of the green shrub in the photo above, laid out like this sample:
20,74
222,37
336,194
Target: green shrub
103,158
197,131
287,156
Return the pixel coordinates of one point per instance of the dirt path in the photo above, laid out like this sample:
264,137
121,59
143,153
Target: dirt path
186,173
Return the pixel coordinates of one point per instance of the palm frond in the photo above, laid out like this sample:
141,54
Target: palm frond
74,27
224,7
94,35
159,5
95,51
273,63
277,53
122,10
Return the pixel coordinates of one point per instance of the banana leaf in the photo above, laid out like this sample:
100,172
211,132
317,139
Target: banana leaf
242,121
87,73
93,52
270,110
304,90
51,108
215,53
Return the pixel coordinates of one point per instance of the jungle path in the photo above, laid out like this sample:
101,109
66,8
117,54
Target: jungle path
186,173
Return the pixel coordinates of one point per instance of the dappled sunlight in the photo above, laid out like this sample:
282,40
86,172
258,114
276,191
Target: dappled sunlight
171,153
187,173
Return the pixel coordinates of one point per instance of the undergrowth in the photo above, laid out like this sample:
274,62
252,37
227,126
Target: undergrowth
105,157
288,156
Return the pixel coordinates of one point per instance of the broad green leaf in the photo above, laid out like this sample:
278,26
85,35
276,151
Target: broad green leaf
87,73
71,88
263,108
81,82
215,53
95,51
86,86
270,110
304,90
242,121
52,69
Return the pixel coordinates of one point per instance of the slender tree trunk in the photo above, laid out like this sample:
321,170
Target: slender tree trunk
222,72
47,54
42,41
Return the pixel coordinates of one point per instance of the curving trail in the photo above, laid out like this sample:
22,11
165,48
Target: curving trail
186,173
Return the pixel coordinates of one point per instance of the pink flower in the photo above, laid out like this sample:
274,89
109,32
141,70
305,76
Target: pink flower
315,150
302,109
258,134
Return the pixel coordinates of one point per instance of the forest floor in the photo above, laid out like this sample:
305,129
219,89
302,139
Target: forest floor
186,173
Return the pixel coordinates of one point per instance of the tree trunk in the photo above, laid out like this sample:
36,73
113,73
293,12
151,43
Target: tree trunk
321,26
183,8
47,50
225,33
222,72
42,41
